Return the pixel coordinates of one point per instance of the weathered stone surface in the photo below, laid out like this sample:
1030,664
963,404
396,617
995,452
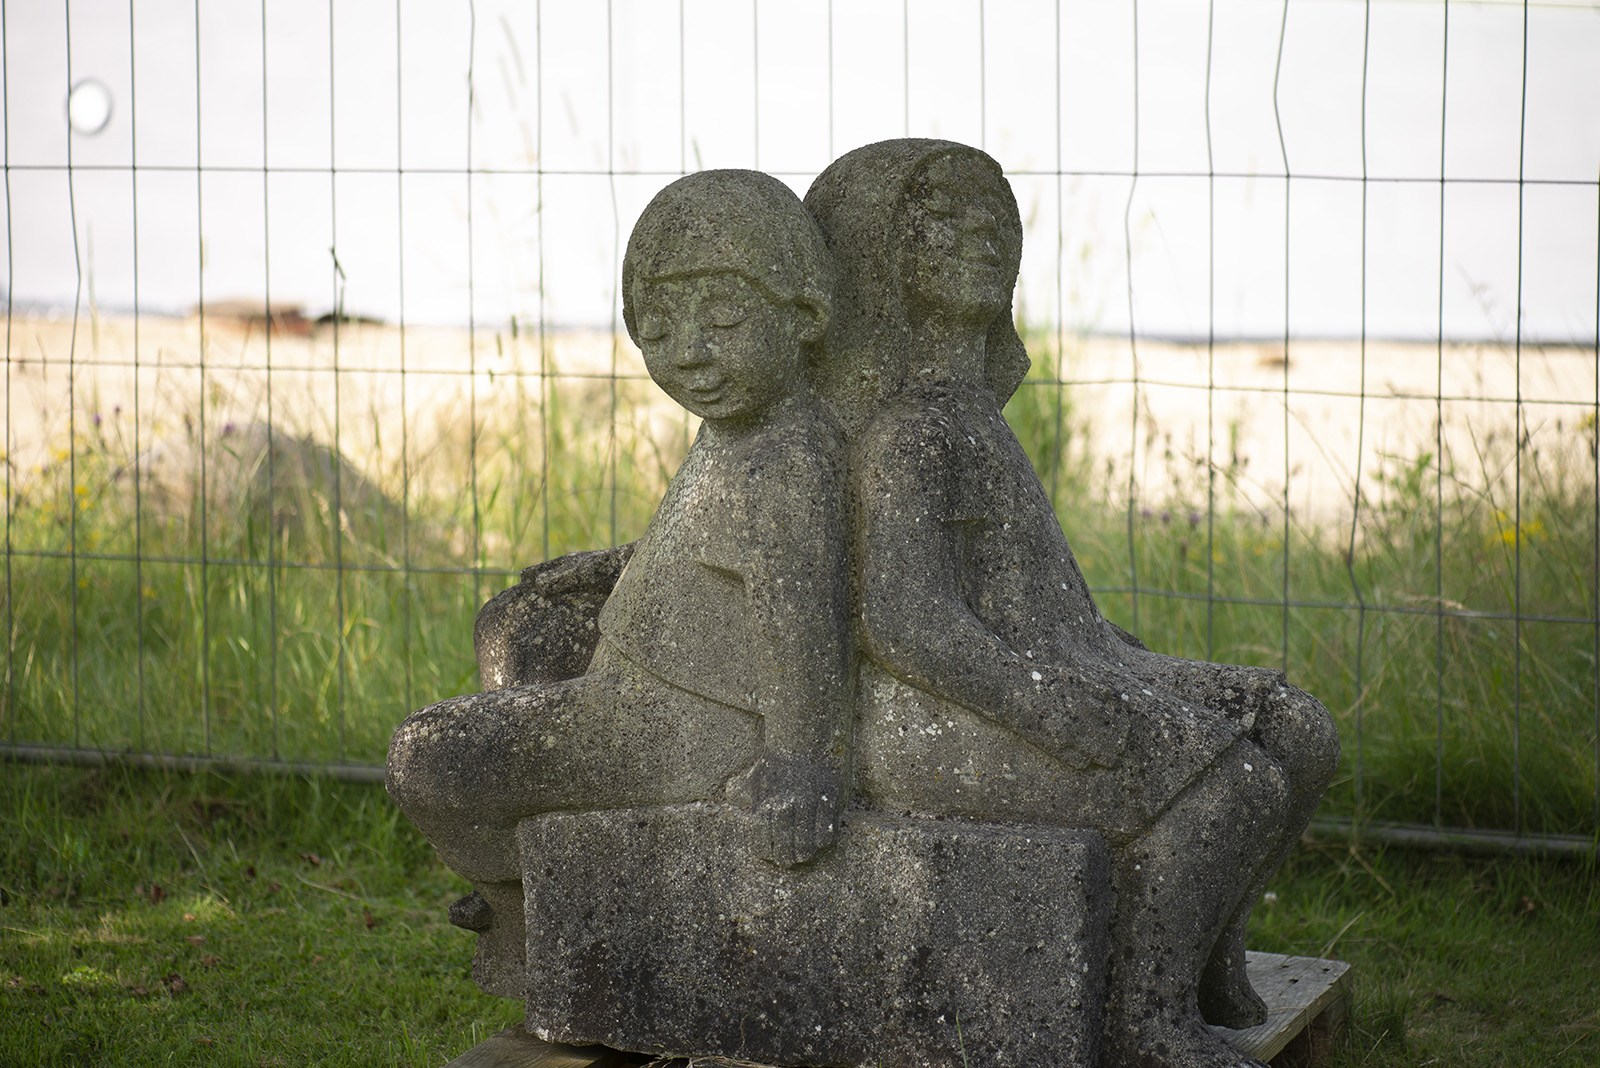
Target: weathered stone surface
992,687
911,942
722,665
847,752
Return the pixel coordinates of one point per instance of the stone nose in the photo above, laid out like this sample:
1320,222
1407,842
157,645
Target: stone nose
691,348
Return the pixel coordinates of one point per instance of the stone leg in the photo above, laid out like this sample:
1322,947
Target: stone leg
1298,733
1176,885
466,770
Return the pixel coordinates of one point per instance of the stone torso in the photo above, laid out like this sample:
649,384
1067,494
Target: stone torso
747,521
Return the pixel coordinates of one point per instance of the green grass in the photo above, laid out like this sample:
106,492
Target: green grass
301,921
172,919
308,631
304,624
1458,961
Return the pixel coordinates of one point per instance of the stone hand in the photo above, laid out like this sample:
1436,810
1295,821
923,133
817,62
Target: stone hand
799,803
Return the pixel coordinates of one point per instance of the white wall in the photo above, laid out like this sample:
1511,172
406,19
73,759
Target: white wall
297,114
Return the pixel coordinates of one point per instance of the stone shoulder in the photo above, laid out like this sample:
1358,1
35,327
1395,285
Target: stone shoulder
913,426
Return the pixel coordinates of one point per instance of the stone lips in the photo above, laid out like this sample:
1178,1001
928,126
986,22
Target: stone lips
912,942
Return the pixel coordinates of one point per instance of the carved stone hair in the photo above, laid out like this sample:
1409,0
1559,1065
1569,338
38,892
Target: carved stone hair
739,221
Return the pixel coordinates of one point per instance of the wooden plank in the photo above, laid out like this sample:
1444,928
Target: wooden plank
515,1048
1297,991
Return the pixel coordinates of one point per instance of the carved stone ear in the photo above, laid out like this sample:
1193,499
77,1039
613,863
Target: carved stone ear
818,311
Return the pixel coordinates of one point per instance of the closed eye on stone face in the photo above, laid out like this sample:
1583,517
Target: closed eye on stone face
727,313
652,326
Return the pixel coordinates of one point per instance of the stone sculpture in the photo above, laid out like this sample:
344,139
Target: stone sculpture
722,664
856,772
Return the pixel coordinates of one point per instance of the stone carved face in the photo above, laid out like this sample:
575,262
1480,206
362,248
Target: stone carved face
719,345
962,243
896,261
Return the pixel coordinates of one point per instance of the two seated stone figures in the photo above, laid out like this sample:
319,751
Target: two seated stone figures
840,764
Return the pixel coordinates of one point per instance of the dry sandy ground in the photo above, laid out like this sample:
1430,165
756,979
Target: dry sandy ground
1159,411
1332,409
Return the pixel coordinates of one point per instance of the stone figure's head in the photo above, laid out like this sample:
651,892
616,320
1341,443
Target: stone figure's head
917,228
960,242
726,289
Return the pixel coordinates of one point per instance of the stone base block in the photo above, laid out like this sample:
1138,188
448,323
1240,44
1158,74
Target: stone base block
911,942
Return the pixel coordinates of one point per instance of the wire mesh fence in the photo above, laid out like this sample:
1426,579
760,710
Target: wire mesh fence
313,341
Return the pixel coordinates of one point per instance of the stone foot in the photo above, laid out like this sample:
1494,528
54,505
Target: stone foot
1185,1044
495,913
472,913
1226,996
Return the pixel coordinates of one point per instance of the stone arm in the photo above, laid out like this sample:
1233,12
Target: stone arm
798,590
543,629
918,625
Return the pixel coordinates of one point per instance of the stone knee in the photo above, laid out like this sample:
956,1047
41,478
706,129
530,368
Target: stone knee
425,760
452,771
1263,790
1300,734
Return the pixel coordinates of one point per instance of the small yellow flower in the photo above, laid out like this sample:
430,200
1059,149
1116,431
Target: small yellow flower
1512,534
81,490
149,593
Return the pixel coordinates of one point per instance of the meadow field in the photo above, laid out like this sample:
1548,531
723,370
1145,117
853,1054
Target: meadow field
277,551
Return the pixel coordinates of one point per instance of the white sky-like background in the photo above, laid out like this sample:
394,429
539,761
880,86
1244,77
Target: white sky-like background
299,116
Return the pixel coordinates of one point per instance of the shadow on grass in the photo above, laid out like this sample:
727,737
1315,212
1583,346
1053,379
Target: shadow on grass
209,920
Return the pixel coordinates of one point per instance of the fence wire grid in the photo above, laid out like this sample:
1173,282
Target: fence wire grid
313,341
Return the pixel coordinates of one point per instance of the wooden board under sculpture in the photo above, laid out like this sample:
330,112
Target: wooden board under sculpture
840,763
